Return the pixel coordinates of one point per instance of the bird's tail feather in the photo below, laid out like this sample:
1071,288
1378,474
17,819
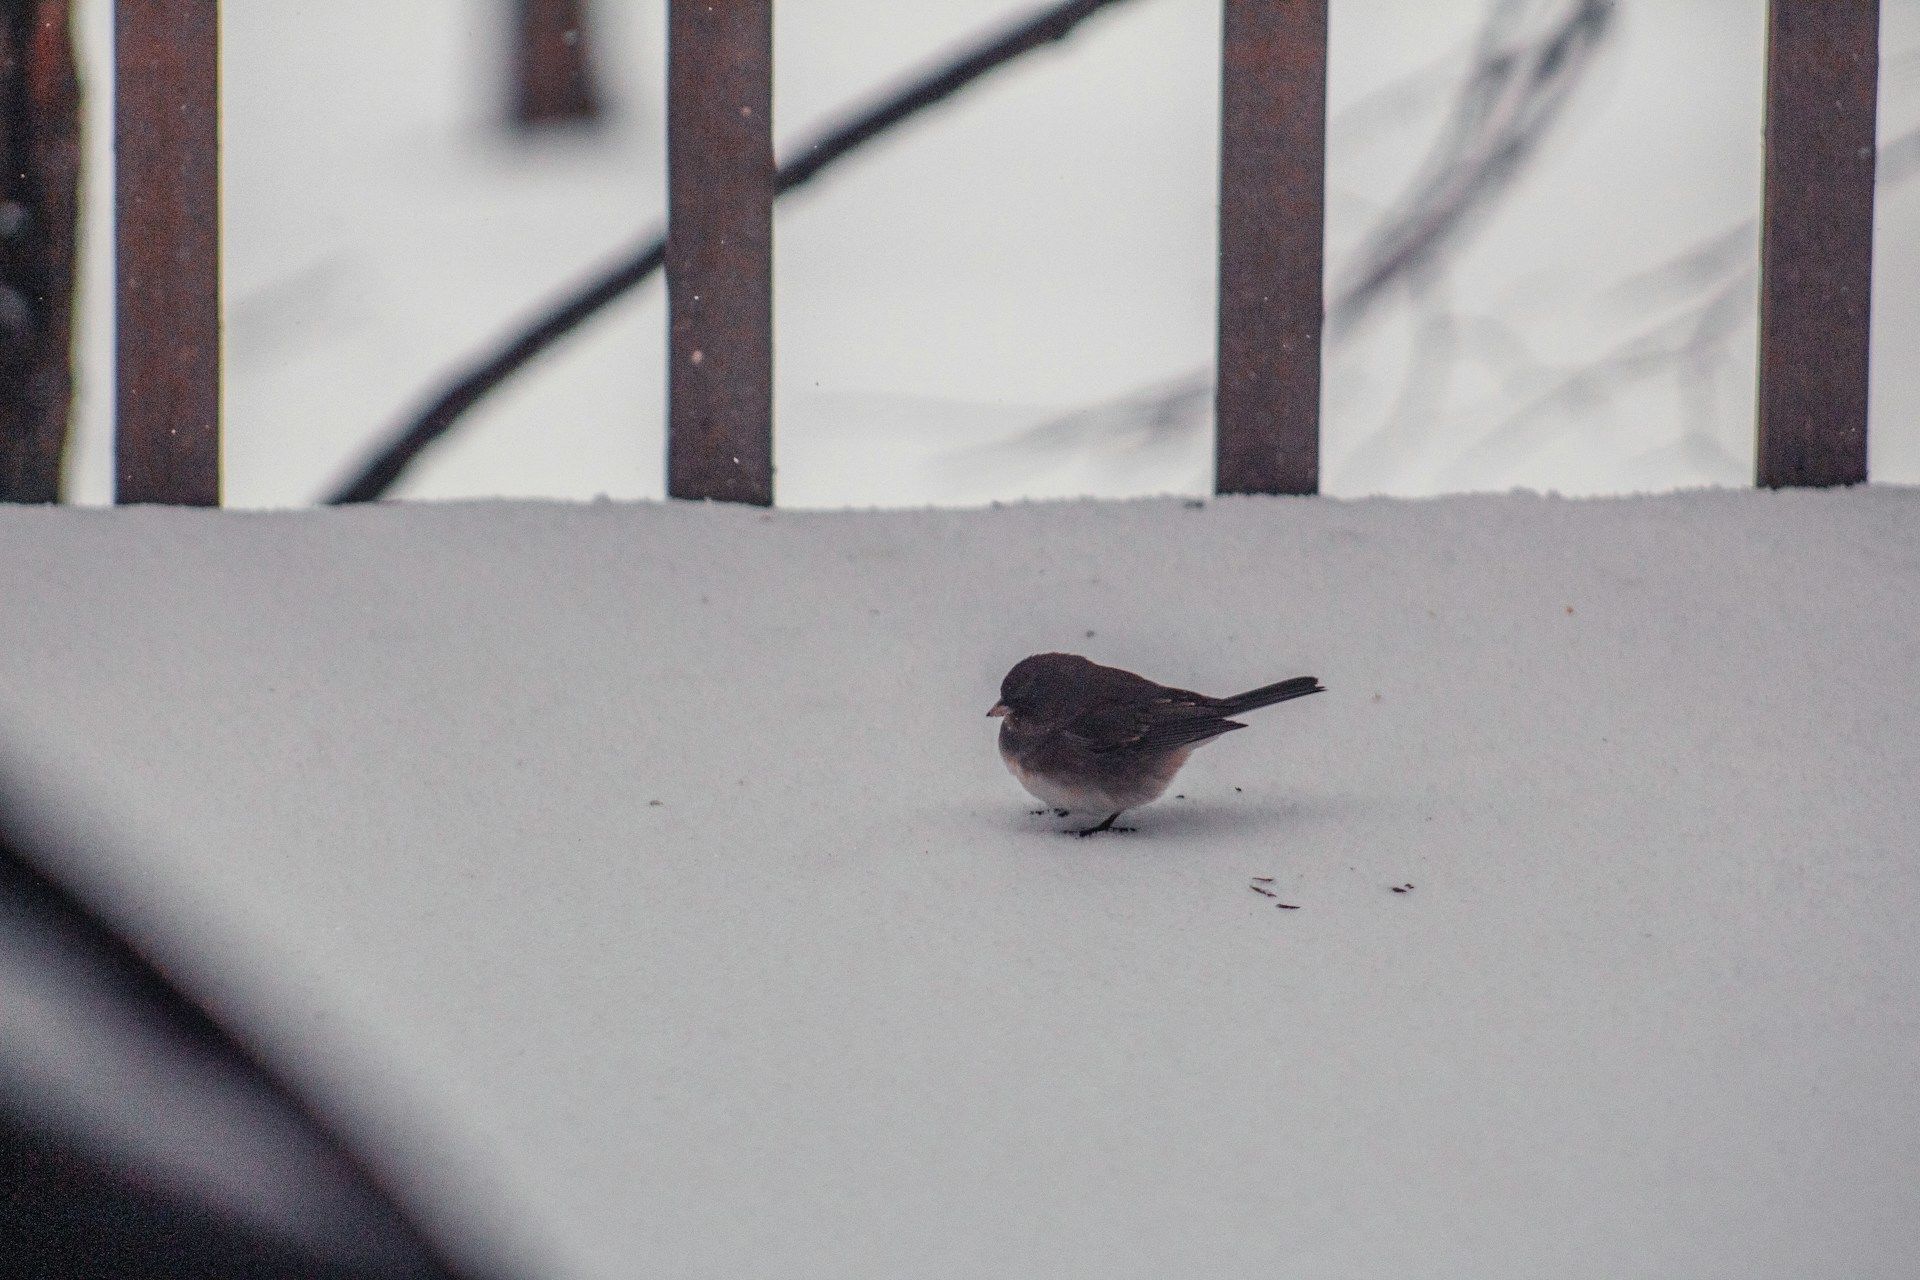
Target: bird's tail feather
1267,695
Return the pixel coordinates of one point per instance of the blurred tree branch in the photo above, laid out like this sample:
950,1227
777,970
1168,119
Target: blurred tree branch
377,476
1525,63
1710,291
1687,316
1504,111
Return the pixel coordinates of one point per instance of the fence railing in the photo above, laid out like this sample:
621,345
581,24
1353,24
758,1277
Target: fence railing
166,147
720,250
1816,247
1816,241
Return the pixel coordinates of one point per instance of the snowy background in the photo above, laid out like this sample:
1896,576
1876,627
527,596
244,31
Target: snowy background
639,882
1042,247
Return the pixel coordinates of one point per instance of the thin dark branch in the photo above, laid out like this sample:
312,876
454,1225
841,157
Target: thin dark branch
1145,419
1392,108
378,476
1502,116
1047,27
1677,341
1699,266
1521,72
1717,277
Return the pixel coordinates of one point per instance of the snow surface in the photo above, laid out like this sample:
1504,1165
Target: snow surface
645,876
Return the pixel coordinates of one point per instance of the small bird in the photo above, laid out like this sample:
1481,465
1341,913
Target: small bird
1086,738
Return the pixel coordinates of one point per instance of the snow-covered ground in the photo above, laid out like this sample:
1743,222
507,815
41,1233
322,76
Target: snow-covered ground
1042,245
644,876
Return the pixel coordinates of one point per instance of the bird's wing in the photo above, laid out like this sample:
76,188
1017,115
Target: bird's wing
1162,724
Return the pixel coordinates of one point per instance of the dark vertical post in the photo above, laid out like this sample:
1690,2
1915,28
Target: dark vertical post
1273,148
720,250
1816,241
39,185
553,80
166,133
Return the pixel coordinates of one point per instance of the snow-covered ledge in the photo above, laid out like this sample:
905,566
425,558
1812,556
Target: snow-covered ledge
660,858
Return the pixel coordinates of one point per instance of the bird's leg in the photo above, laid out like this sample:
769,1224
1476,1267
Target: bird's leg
1104,826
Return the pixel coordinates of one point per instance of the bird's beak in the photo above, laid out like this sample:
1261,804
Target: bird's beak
999,709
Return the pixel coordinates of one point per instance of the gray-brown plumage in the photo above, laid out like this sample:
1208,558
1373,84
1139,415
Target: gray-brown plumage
1083,737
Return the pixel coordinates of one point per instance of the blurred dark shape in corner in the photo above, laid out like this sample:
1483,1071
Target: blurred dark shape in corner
553,77
140,1139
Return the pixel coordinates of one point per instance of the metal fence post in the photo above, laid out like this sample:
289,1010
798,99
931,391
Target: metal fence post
553,80
166,131
39,189
1816,241
720,182
1273,138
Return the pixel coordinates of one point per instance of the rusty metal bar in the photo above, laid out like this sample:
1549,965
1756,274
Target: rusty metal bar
720,185
553,80
1273,144
1816,241
39,211
167,251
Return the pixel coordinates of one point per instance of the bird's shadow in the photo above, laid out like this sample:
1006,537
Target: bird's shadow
1182,819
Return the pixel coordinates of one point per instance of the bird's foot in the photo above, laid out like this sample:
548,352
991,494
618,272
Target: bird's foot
1104,826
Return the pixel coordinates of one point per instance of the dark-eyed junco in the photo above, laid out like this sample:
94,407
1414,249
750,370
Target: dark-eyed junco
1088,738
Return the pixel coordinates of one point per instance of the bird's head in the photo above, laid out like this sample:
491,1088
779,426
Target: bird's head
1040,685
